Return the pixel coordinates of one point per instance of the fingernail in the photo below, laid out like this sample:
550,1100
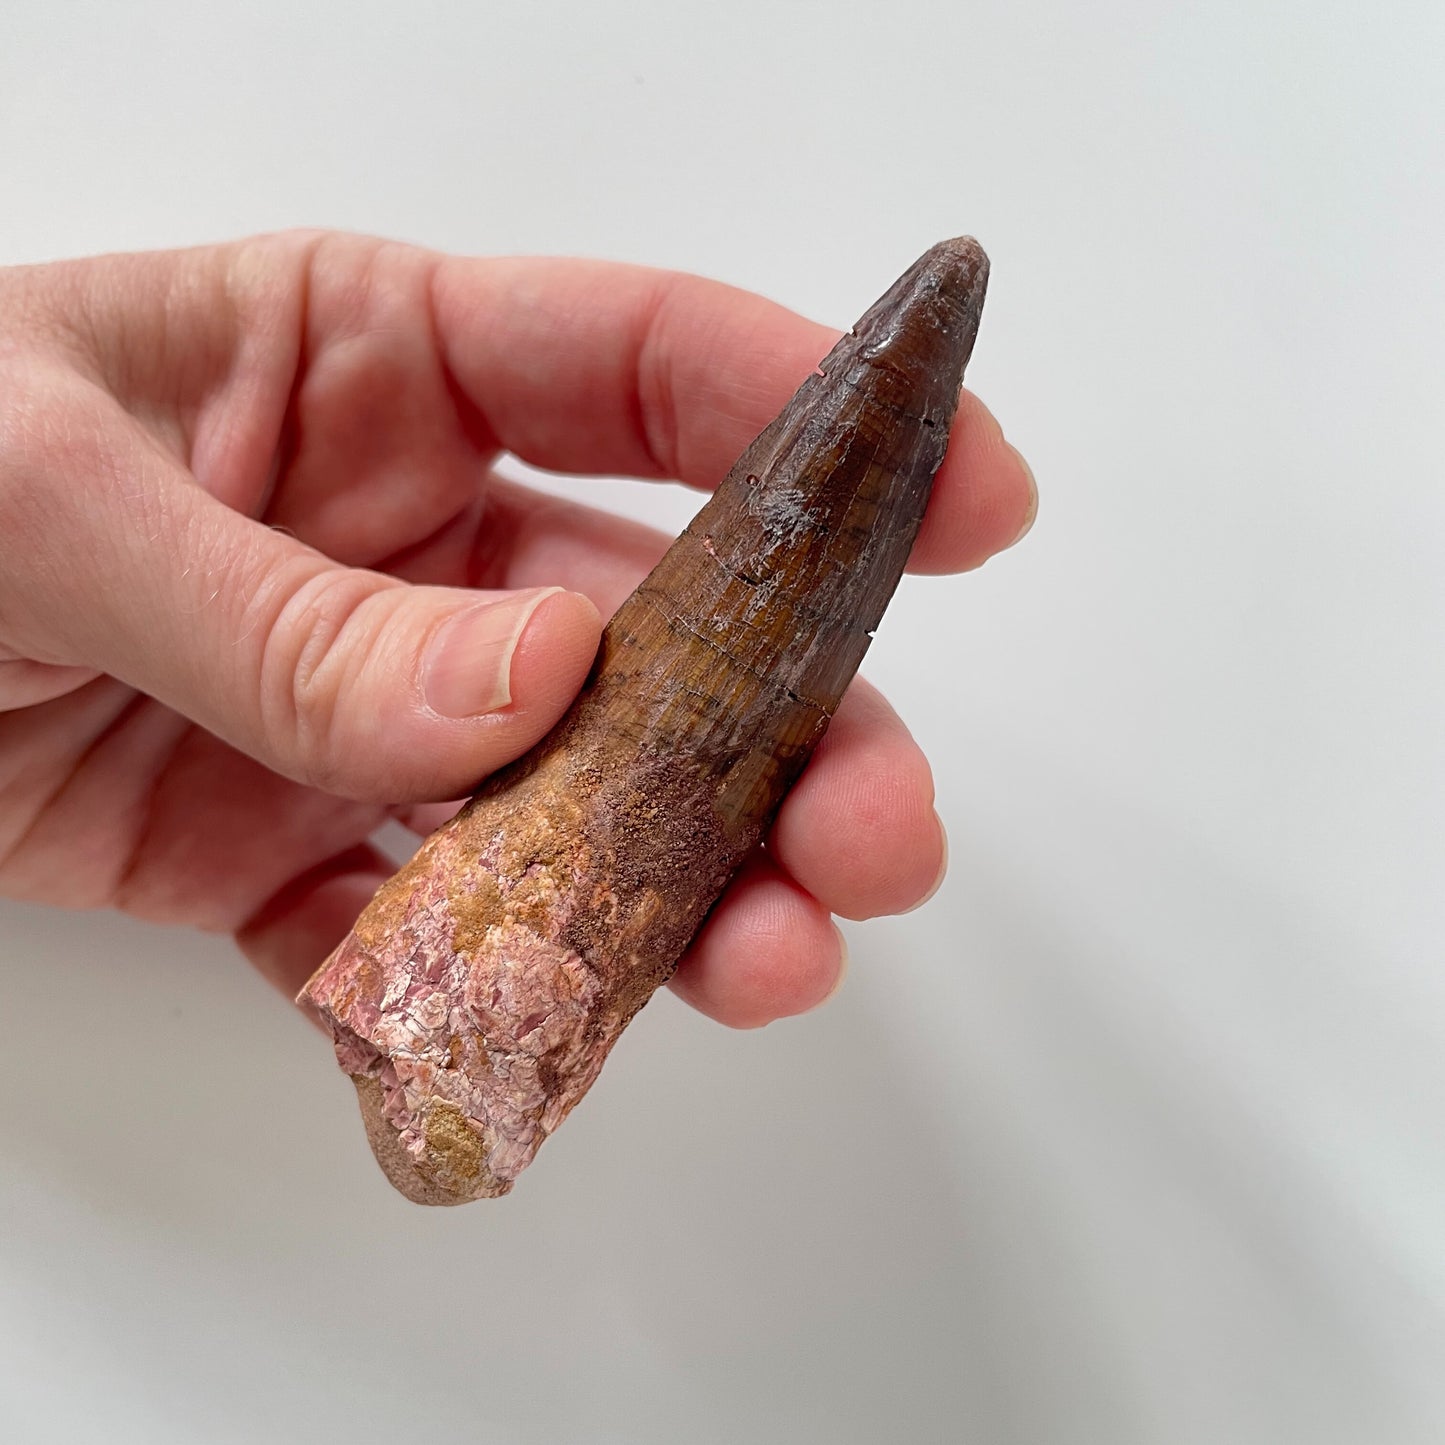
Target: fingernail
942,867
468,668
842,965
1033,510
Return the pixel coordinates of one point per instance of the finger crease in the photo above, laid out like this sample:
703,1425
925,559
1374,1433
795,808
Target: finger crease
654,408
13,850
125,879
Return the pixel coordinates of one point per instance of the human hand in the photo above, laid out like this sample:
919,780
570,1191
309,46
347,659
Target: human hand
260,590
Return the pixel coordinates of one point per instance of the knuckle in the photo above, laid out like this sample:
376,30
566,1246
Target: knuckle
52,451
316,646
269,271
48,425
32,304
366,283
18,449
653,366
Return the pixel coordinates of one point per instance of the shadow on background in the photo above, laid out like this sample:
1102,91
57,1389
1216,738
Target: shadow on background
736,1237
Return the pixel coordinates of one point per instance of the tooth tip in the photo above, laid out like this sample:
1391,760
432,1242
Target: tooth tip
960,265
962,251
922,328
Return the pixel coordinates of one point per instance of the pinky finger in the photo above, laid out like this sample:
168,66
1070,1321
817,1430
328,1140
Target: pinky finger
768,950
289,938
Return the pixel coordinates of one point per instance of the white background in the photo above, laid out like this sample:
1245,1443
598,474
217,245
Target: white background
1137,1133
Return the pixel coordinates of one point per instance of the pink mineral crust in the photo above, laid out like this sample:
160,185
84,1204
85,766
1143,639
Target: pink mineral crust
468,1045
438,1028
477,997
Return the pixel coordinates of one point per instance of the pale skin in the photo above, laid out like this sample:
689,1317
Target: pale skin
260,588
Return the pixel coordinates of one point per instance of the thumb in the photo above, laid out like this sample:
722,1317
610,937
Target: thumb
342,678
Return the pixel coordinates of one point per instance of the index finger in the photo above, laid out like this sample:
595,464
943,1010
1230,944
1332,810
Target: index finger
596,368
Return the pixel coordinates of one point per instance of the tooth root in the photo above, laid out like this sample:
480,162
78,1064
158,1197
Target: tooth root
479,993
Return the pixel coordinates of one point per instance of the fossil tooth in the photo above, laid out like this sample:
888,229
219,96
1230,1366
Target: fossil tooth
479,993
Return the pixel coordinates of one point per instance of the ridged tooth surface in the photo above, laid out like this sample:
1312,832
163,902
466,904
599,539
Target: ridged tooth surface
479,993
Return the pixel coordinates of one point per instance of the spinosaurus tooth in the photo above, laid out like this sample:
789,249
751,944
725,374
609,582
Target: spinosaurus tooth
479,993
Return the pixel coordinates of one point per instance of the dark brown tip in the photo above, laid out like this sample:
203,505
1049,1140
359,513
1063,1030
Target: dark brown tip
919,334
